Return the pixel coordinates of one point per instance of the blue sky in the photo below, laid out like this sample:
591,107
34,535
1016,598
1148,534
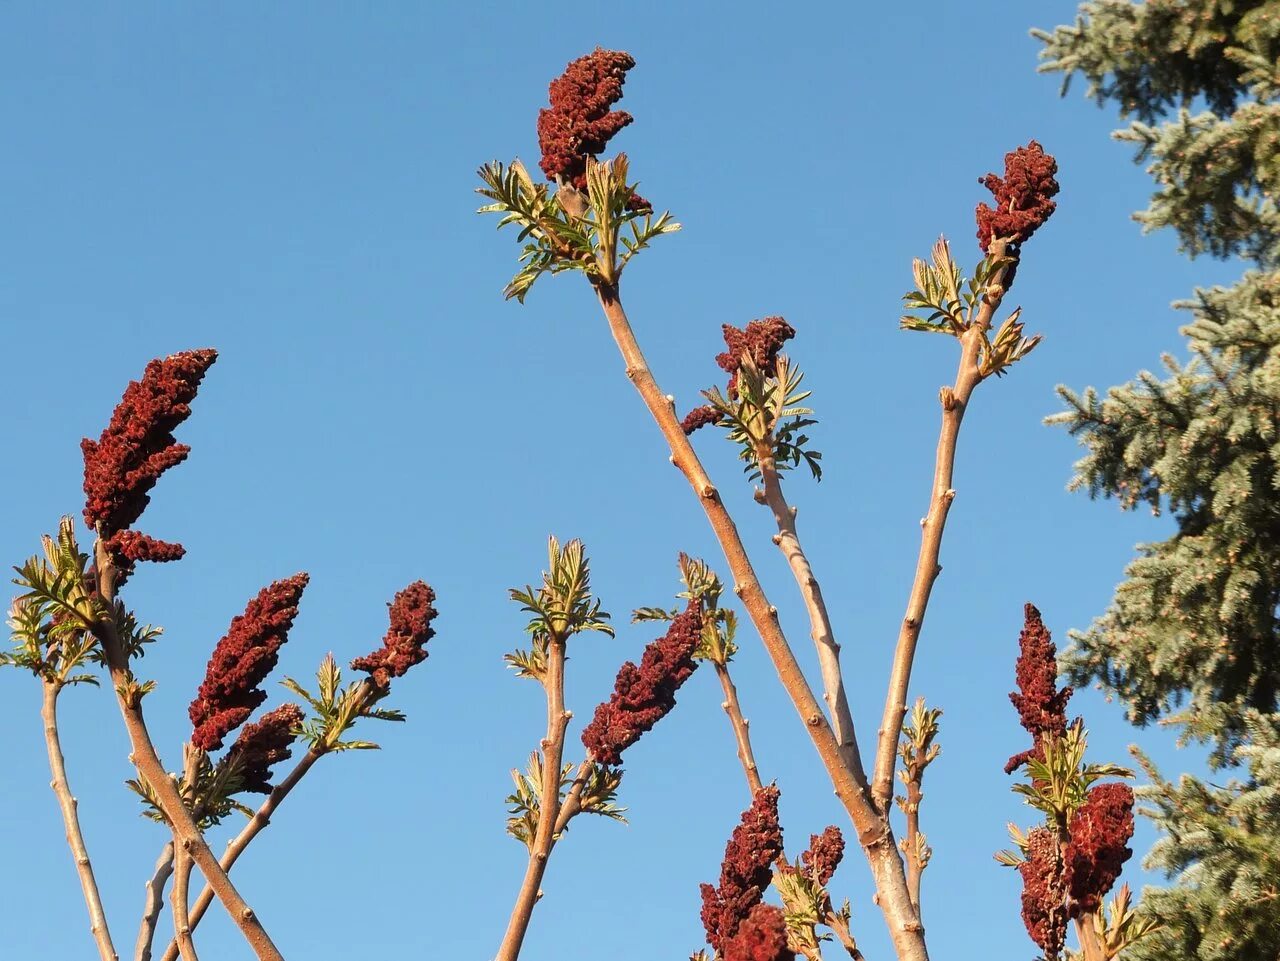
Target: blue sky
293,185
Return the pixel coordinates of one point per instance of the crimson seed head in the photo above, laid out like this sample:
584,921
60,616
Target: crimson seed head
1100,831
1044,892
762,936
762,340
1022,197
644,695
404,644
579,123
241,661
263,744
1042,708
824,854
746,871
699,418
122,466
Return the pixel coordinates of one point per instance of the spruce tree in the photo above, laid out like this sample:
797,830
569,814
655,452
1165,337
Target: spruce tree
1192,636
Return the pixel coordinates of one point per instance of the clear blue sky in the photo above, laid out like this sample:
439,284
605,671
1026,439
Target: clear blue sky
292,183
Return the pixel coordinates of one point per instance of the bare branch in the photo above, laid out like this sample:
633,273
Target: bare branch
955,401
151,769
740,725
71,822
874,832
549,806
154,903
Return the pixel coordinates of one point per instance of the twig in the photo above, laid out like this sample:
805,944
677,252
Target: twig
180,896
549,804
261,818
71,822
151,769
874,832
837,923
740,728
955,401
572,804
788,541
154,903
1090,944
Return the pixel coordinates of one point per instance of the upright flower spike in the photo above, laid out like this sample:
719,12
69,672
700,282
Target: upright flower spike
122,466
241,661
263,744
579,123
1100,831
1023,196
747,869
1042,708
644,695
404,644
762,936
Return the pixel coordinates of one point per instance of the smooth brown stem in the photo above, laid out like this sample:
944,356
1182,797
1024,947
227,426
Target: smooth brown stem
824,638
154,903
180,896
841,928
1090,944
912,841
955,401
261,818
71,822
549,808
740,728
874,832
573,799
151,770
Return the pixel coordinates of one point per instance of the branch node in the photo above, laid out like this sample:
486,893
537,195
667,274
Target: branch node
708,491
776,538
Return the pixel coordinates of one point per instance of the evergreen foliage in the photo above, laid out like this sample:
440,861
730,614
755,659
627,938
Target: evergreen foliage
1192,635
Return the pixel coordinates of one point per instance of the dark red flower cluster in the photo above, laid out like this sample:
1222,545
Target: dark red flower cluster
263,744
122,466
756,843
762,936
1022,197
699,418
762,340
241,661
1100,832
644,695
1044,892
1042,708
579,123
404,644
824,854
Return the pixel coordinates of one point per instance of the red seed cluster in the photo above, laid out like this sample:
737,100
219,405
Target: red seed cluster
756,843
644,695
1042,708
1044,892
699,418
404,644
762,340
263,744
1100,832
824,854
241,661
579,123
1022,196
122,466
762,936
